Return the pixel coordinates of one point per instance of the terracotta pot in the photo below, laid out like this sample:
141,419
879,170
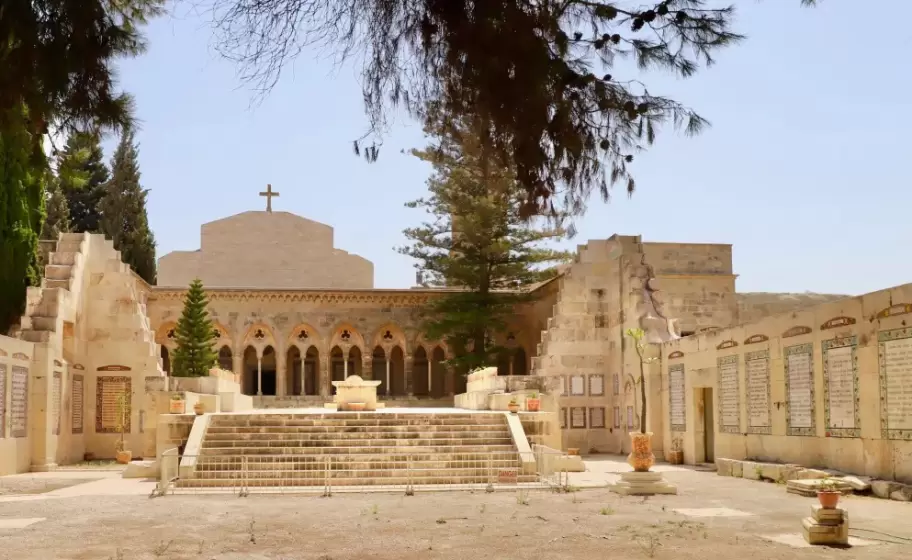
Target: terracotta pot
178,406
533,405
513,407
573,451
676,457
828,499
356,406
124,457
199,408
641,457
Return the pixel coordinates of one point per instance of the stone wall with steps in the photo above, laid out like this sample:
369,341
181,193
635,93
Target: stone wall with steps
353,449
270,402
87,320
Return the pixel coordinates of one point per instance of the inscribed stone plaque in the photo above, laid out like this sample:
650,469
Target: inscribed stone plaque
676,397
617,417
597,417
896,383
840,387
729,395
19,402
108,390
757,371
2,401
799,390
563,384
56,386
577,417
630,425
596,385
78,404
617,384
577,385
563,418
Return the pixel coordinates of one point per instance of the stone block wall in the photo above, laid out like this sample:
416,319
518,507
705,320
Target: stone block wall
824,386
15,381
266,250
753,306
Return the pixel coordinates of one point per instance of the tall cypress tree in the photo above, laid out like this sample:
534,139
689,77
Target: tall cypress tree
23,173
57,216
194,354
82,175
123,210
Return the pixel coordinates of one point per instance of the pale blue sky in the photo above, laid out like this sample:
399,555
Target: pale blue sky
803,170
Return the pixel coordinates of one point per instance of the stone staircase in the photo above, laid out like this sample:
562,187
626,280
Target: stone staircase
86,277
354,449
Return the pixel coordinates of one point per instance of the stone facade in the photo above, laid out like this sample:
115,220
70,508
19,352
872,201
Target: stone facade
823,386
266,250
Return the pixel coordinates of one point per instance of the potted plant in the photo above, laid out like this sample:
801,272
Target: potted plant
676,455
178,404
641,457
513,406
828,493
123,455
199,408
533,402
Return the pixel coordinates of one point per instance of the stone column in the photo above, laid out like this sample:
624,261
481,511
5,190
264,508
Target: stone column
323,376
367,366
449,381
281,374
345,354
388,393
409,382
237,363
259,375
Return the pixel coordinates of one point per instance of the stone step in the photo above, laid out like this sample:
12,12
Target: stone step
486,449
30,335
341,419
44,323
275,431
58,271
63,258
69,246
49,283
398,480
442,474
350,464
502,439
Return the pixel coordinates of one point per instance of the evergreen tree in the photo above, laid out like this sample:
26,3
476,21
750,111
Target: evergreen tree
476,241
82,174
23,173
57,218
123,210
57,58
194,355
547,76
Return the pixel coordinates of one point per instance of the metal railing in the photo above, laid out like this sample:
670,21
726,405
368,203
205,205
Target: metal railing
334,469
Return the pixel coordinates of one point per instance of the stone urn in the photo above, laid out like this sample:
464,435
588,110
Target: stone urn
199,408
641,457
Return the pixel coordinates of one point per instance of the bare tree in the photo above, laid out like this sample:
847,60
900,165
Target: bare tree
536,72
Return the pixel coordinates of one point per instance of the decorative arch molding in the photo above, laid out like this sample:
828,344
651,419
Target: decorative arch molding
259,335
388,337
756,339
346,336
677,354
222,336
304,336
429,345
164,335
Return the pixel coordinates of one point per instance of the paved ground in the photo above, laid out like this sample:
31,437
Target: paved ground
712,517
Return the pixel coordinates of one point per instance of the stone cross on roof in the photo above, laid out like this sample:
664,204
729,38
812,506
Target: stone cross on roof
268,193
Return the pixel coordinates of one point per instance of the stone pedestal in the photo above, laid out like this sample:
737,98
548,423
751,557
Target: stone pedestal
355,390
643,484
826,526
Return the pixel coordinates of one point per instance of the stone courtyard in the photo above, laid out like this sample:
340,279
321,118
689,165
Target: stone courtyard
713,516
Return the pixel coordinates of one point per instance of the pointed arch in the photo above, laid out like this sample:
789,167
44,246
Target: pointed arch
389,335
164,335
346,335
259,335
303,336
